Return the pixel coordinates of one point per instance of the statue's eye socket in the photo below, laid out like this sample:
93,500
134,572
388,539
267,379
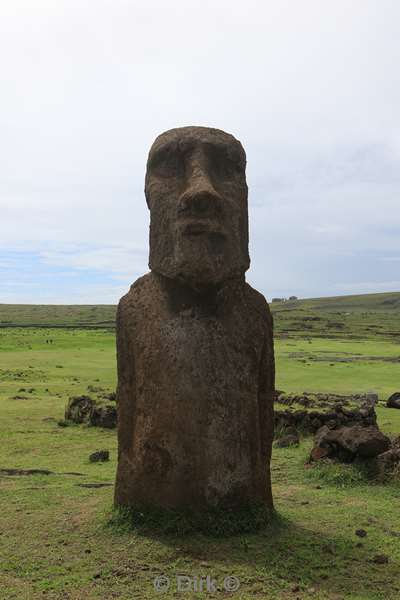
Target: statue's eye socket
167,163
223,165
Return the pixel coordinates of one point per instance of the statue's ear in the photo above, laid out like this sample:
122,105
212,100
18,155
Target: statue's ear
147,193
147,198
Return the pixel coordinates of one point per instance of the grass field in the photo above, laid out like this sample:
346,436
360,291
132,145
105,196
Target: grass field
55,537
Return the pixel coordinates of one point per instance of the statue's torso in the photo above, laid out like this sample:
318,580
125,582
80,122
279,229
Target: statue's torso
196,391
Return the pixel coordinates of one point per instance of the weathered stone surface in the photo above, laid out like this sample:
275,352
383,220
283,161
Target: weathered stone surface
104,415
78,409
194,340
394,400
197,194
100,456
332,415
347,443
96,412
388,464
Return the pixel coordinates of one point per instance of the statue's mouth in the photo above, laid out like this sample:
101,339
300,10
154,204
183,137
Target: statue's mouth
200,227
196,228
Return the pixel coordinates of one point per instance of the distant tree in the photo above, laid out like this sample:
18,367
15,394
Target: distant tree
293,298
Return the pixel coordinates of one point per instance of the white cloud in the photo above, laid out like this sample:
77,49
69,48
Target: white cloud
311,89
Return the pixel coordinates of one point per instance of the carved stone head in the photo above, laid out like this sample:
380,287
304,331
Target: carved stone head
197,195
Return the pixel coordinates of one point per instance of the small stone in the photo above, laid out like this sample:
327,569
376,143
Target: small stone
317,453
380,559
361,533
100,456
394,400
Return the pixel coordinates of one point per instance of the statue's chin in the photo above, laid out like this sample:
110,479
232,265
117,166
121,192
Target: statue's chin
198,276
198,263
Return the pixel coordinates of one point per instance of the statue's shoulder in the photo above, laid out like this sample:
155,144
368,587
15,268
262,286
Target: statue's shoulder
140,291
258,302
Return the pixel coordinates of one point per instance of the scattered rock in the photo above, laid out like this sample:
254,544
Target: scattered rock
104,416
317,453
387,463
97,412
396,442
372,398
380,559
100,456
361,533
348,443
334,411
79,408
394,400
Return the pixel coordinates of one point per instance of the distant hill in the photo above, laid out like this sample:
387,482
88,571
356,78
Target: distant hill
54,315
357,316
360,302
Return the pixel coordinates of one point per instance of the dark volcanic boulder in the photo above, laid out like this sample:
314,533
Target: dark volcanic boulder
84,409
394,400
79,408
104,415
348,443
335,416
388,463
100,456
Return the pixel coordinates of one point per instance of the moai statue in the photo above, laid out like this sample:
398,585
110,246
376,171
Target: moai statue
194,340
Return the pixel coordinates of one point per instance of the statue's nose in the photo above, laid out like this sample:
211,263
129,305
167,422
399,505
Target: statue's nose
200,198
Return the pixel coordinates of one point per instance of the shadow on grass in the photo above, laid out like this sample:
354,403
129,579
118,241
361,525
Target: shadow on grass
282,555
215,522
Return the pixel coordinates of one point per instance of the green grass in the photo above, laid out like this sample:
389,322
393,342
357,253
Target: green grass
350,317
338,365
59,540
99,315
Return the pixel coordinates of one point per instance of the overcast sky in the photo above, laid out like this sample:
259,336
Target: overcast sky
310,87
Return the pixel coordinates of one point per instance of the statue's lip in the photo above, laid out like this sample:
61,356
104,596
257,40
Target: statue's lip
198,227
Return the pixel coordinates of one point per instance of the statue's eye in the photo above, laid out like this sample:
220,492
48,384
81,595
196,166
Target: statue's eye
167,162
224,165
